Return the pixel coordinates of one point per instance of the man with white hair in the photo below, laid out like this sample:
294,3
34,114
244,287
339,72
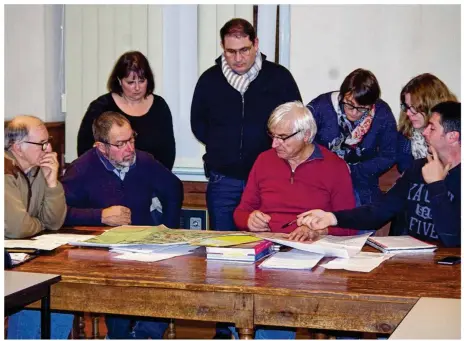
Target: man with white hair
34,202
296,173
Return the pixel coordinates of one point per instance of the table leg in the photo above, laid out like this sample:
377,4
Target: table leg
245,333
45,319
171,330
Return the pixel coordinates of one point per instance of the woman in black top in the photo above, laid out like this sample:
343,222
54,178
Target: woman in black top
131,85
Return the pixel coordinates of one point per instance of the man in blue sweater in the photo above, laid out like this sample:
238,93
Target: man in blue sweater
231,105
429,192
114,184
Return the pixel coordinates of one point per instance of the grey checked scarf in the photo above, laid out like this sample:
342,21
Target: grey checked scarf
242,82
418,145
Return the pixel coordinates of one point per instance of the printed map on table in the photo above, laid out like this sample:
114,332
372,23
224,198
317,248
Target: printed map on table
142,235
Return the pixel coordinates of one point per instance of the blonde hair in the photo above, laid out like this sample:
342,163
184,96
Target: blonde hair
426,91
304,121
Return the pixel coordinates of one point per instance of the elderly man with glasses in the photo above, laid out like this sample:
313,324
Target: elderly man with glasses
294,174
34,198
113,184
34,201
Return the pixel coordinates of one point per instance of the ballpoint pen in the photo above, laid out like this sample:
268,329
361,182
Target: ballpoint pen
289,223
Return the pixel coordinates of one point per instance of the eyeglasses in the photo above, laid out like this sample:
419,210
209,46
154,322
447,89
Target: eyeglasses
351,107
282,138
122,144
405,108
43,144
243,51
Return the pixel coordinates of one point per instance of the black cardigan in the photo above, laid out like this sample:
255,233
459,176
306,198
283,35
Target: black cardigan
155,133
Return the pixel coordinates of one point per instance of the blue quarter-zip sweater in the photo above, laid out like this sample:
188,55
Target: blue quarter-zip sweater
232,127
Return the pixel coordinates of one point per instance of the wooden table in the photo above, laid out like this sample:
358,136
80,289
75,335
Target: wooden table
189,287
22,289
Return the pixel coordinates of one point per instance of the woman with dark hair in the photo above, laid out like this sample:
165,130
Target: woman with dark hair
131,85
417,98
360,128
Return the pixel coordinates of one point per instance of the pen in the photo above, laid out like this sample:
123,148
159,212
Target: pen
289,223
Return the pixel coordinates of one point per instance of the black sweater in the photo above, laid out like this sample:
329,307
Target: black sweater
155,134
233,128
433,211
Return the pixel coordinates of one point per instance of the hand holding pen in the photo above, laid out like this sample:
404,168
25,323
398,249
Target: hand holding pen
258,221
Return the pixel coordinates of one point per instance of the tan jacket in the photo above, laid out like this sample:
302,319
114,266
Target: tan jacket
30,205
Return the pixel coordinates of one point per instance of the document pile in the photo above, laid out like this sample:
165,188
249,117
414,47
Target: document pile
400,244
293,259
330,246
127,235
249,252
152,253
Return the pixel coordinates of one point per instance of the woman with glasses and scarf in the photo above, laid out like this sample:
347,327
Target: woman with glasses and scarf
360,128
417,97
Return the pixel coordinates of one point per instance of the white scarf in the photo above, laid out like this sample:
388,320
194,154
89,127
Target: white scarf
241,82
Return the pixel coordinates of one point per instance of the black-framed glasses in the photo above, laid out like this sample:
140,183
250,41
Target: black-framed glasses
122,144
282,138
245,51
44,145
404,107
351,107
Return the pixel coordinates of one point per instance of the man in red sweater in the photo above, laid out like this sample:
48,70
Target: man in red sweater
296,175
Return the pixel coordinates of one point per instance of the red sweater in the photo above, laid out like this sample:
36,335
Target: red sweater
321,182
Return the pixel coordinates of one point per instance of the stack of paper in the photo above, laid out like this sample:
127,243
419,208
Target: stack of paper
152,253
362,262
293,259
400,244
249,252
330,246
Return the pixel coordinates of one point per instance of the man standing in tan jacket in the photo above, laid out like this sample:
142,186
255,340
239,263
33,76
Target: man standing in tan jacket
34,198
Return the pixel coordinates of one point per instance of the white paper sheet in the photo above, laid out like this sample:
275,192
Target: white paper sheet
362,262
19,257
154,256
46,242
330,246
293,259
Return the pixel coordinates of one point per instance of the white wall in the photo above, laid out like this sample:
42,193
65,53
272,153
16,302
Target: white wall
395,42
32,59
182,41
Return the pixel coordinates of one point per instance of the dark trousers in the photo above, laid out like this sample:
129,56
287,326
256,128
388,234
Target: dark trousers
222,197
119,327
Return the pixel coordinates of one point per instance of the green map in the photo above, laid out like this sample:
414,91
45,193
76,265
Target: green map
149,235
